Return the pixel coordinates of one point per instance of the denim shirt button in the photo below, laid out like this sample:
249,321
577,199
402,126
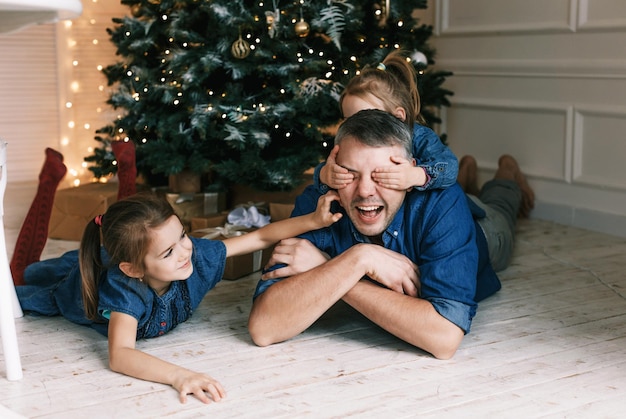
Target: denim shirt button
163,324
395,233
161,333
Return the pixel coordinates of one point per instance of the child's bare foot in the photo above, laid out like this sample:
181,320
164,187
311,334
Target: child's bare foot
509,169
468,175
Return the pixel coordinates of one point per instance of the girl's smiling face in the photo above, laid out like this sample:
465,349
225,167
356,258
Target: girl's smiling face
169,255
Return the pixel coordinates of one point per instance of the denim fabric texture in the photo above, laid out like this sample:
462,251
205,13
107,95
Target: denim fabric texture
53,288
436,230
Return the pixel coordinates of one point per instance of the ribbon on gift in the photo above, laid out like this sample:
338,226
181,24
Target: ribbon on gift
247,217
229,230
261,206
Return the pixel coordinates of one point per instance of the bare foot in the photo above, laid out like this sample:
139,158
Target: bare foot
509,169
468,175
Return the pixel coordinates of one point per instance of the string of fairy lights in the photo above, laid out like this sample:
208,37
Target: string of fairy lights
84,50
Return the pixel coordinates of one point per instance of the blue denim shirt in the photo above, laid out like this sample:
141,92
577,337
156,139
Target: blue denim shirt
437,231
53,288
429,152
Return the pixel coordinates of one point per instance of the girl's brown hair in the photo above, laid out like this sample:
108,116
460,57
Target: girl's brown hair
393,83
124,232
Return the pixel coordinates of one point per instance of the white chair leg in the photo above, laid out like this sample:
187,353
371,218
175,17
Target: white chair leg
9,304
8,333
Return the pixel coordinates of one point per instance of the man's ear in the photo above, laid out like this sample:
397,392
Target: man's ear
130,270
400,113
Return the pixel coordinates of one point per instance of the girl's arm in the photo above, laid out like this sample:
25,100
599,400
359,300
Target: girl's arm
436,165
125,359
290,227
435,158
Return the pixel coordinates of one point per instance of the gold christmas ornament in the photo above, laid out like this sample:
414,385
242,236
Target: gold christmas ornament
240,48
302,29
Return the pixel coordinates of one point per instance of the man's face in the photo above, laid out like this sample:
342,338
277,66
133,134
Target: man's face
370,206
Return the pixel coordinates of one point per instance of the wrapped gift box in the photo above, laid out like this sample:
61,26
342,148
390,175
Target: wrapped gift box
280,211
215,227
73,208
188,206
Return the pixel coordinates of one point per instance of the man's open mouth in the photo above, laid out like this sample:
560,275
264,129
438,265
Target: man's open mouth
370,211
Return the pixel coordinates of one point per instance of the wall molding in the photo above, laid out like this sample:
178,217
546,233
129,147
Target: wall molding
564,20
579,176
592,17
528,109
579,68
589,219
576,15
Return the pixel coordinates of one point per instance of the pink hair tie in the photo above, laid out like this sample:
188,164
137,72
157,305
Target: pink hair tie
98,220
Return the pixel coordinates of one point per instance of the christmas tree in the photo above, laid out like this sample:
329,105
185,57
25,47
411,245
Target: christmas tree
246,90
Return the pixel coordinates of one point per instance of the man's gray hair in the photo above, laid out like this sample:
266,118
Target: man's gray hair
376,128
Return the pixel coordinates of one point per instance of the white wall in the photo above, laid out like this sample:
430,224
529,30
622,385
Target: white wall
544,81
53,93
29,105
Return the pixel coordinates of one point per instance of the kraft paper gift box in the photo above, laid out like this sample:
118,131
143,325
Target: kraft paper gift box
188,206
73,208
280,211
216,227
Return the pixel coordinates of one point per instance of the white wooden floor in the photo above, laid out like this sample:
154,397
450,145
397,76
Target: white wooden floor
551,343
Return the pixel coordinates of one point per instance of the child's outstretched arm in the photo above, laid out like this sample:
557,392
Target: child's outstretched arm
290,227
125,359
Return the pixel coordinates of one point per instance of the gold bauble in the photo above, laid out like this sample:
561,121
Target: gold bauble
302,29
240,48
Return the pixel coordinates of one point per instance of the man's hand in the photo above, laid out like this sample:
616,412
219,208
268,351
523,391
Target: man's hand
298,254
391,269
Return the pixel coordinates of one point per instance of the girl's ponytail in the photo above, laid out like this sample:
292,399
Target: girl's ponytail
400,66
90,263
